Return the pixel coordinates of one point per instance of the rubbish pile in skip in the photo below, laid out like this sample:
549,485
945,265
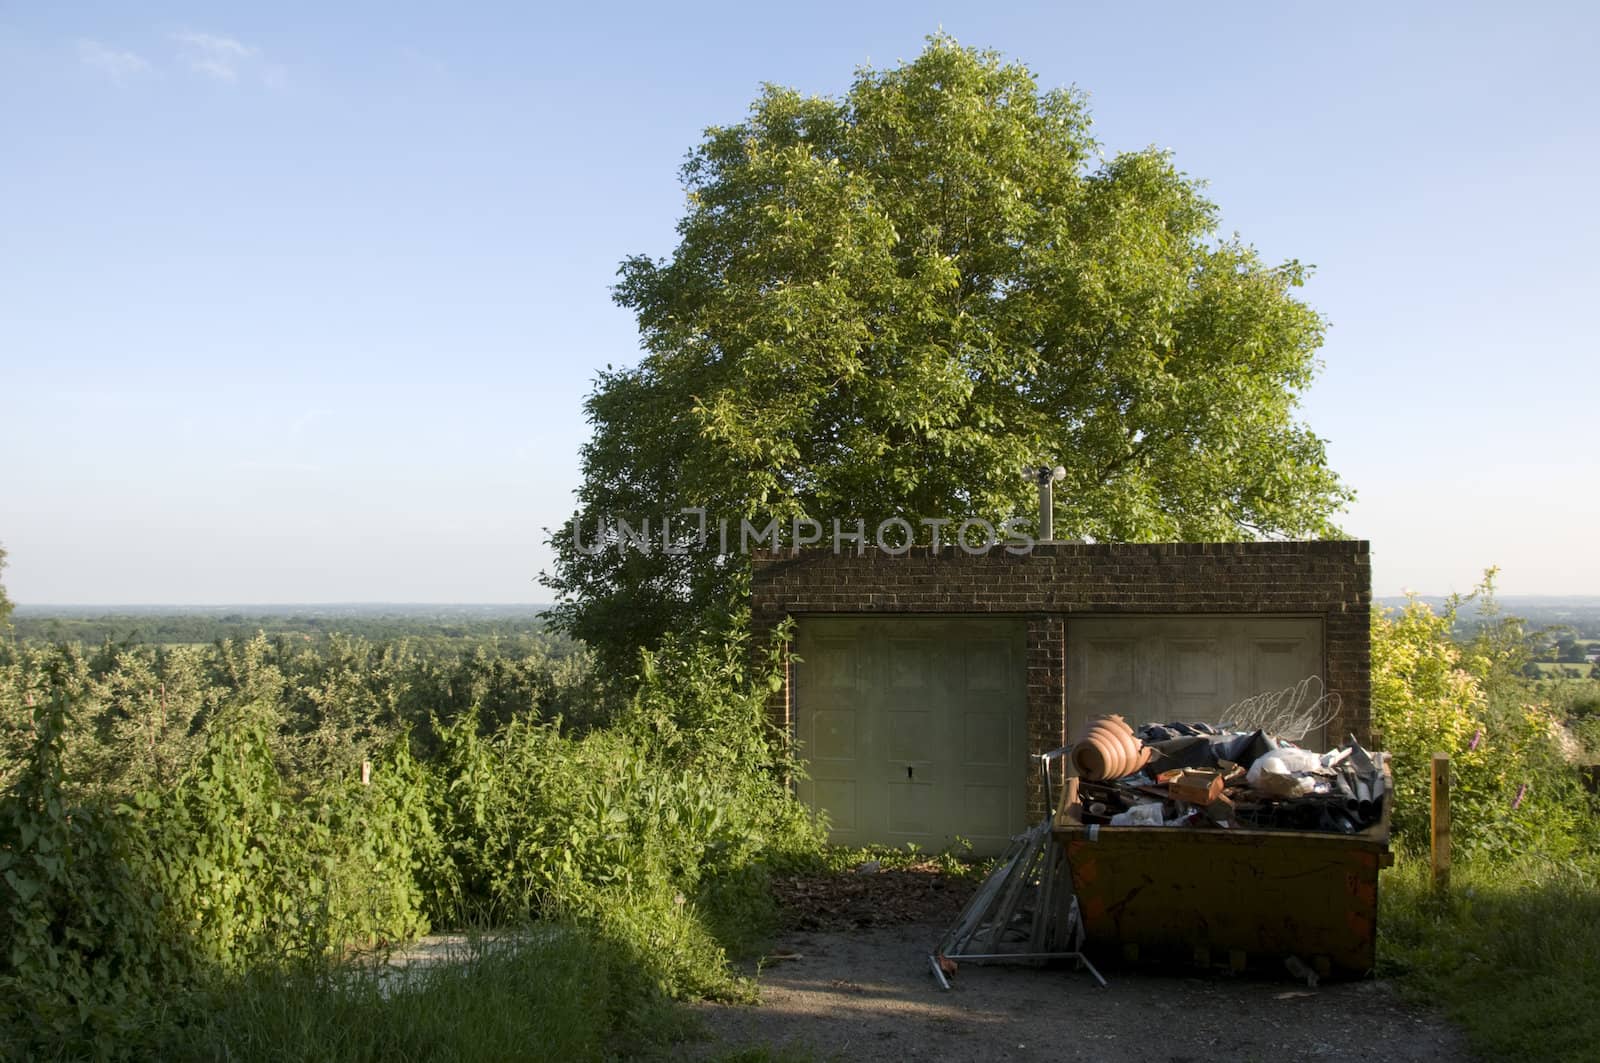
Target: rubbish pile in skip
1202,775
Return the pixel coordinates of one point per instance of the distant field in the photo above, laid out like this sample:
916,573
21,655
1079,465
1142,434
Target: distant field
1557,670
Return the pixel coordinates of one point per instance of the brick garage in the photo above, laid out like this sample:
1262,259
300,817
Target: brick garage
1061,587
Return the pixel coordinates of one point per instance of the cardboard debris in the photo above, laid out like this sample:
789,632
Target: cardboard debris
1197,786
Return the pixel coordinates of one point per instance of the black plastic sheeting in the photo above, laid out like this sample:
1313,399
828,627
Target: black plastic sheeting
1187,745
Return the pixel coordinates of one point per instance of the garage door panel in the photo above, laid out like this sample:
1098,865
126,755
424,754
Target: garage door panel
989,666
912,737
838,798
910,664
837,665
833,735
1275,663
1111,666
985,812
986,740
1194,667
913,809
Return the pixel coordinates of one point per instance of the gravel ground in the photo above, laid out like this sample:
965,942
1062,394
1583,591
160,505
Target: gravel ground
868,994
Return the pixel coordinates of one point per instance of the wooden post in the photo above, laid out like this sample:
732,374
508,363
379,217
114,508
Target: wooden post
366,773
1440,818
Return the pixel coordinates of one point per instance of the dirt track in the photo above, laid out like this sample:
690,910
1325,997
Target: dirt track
868,994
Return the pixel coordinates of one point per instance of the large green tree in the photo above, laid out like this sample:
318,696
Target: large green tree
888,304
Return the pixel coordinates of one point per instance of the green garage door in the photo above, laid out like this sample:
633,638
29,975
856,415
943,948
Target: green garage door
1159,669
913,729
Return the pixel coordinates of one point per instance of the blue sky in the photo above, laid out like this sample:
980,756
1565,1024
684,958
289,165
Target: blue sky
299,302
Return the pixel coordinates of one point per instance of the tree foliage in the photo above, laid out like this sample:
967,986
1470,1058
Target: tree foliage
5,602
1512,790
888,304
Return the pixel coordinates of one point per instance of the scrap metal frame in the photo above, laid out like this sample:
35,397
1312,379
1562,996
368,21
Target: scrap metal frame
995,906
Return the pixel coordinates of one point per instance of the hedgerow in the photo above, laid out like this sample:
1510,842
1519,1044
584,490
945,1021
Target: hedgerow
175,821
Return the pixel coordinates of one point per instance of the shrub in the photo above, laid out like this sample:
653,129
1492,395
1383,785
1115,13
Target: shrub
1511,789
216,831
654,831
85,947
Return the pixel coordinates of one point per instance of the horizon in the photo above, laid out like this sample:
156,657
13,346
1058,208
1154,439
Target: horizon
24,607
301,305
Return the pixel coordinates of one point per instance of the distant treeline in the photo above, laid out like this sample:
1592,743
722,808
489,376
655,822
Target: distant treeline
1580,613
150,628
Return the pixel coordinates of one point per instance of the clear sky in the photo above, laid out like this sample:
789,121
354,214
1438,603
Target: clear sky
300,301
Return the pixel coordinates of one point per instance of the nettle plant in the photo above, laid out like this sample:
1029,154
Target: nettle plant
85,937
108,906
654,831
174,821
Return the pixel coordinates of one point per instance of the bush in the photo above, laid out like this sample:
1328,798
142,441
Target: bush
1512,790
654,831
215,834
255,873
85,946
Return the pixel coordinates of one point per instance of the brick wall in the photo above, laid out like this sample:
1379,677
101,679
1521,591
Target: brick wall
1056,581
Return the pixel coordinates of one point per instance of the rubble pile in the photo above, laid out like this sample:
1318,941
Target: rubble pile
1197,775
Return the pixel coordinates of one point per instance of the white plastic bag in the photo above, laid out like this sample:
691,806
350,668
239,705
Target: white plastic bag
1284,772
1139,816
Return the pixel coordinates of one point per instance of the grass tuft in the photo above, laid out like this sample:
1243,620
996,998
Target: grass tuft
548,996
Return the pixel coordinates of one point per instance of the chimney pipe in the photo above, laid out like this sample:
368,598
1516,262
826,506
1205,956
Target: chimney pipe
1046,478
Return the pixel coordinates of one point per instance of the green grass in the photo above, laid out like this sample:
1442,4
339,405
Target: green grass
565,997
1511,953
